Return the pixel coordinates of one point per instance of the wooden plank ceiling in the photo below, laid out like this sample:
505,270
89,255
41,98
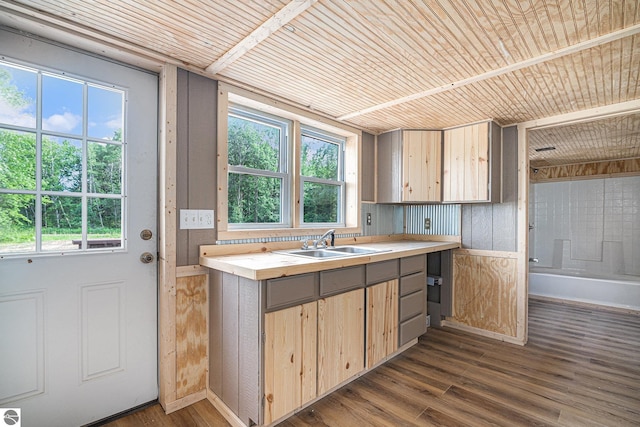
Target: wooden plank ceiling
387,64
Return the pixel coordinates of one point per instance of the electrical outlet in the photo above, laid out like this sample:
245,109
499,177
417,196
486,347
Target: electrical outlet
369,219
205,218
427,223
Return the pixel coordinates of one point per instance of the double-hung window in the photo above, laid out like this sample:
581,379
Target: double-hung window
259,178
322,177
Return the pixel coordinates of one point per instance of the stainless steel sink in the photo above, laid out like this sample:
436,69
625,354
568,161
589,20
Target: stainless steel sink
314,253
355,250
339,251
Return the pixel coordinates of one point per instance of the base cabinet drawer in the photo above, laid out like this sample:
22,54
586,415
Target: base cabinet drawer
412,283
291,290
412,328
413,304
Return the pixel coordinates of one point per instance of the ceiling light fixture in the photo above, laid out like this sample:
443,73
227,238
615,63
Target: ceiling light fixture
290,28
545,149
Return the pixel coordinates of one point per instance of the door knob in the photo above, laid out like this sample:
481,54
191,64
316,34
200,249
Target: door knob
146,258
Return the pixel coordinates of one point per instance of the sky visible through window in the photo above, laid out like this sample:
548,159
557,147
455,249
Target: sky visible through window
61,105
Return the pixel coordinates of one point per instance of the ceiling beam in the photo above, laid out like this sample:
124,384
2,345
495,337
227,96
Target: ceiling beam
597,41
270,26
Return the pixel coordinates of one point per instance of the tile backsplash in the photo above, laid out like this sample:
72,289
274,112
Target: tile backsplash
588,225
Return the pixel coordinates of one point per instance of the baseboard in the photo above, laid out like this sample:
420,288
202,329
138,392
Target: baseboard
176,405
224,410
582,304
476,331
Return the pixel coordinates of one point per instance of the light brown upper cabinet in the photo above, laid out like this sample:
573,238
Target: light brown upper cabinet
409,166
471,163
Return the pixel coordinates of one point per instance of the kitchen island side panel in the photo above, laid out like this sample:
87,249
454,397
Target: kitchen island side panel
215,331
230,348
250,353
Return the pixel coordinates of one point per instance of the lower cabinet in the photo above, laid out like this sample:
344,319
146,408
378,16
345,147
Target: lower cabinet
382,321
290,349
340,338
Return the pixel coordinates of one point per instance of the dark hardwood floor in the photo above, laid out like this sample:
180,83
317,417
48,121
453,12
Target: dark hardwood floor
581,367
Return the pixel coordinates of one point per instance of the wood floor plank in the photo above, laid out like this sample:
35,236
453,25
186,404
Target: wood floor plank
581,367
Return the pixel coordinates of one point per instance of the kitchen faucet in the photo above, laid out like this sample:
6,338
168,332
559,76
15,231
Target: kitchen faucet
323,239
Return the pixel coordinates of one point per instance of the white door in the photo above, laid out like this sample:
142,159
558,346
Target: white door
78,307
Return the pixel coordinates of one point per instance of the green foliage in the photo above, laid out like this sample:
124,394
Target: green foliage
253,199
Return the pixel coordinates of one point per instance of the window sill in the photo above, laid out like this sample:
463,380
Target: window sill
281,232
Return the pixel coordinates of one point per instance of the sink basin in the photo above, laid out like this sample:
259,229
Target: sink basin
340,251
315,253
353,250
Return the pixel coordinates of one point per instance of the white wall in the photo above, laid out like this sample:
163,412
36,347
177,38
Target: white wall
590,225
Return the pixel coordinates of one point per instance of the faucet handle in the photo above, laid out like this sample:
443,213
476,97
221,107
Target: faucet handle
305,244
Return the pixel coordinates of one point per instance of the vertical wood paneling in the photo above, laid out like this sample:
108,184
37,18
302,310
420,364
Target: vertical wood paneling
230,333
289,359
368,169
340,338
249,351
191,334
484,289
382,321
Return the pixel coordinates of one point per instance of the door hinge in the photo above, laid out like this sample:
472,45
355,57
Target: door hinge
264,339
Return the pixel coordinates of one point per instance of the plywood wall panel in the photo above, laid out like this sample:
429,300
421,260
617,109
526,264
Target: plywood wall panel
191,334
484,289
590,170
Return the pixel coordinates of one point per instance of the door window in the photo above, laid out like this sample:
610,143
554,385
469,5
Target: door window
62,151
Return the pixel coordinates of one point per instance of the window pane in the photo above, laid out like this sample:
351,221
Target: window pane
253,144
18,93
17,223
254,199
17,160
104,218
319,158
61,223
61,105
61,164
105,113
320,202
104,168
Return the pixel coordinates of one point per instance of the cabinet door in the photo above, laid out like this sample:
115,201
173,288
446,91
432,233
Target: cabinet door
289,359
382,321
421,166
340,338
466,163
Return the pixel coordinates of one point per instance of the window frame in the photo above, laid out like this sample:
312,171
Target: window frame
283,174
338,182
228,96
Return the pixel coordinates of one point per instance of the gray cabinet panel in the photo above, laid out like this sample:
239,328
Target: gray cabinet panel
412,283
292,290
382,271
341,280
367,173
411,329
412,264
412,305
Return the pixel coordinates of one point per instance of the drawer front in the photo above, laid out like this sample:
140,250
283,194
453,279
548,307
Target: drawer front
412,283
382,271
411,329
413,264
413,304
287,291
341,280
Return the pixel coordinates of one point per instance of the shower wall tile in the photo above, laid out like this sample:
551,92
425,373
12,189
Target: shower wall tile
590,225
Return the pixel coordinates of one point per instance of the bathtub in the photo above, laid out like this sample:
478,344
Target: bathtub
615,291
